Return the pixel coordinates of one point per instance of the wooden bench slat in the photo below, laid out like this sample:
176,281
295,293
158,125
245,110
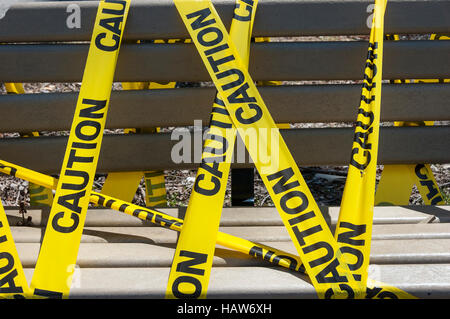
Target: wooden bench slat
316,146
158,19
289,61
291,104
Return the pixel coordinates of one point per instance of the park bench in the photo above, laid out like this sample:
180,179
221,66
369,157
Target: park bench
121,256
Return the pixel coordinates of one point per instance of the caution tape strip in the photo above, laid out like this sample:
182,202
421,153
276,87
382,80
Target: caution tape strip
300,213
397,181
57,257
192,262
375,289
13,283
354,227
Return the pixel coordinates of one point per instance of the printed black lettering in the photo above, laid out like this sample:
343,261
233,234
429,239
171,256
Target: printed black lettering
187,265
219,110
295,210
214,159
387,295
110,202
112,24
73,158
209,43
268,255
201,16
85,137
432,191
216,49
65,229
9,262
372,292
367,100
292,261
220,124
8,281
256,251
241,96
322,260
215,63
76,187
161,219
240,80
347,237
283,176
362,139
85,146
89,112
361,166
369,114
213,169
248,8
205,191
186,279
101,199
436,200
138,210
219,101
214,150
300,235
368,87
12,171
359,260
71,201
301,218
258,114
48,293
115,11
123,207
108,48
418,173
350,293
2,238
335,277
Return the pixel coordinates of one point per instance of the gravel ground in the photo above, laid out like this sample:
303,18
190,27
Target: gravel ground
326,182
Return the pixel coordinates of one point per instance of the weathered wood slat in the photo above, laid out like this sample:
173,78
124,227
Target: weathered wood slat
287,104
317,146
289,61
158,19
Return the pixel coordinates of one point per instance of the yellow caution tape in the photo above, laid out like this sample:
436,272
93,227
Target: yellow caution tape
58,254
397,181
38,195
192,262
275,256
13,283
122,185
299,211
354,228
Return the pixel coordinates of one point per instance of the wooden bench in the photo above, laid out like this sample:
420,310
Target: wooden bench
121,256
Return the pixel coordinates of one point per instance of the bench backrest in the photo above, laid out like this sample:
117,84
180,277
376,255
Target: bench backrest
39,46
